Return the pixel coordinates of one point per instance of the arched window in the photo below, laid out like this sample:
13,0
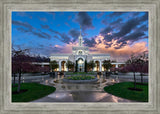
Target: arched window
80,53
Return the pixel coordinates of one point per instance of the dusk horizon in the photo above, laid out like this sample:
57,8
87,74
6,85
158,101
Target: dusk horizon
119,34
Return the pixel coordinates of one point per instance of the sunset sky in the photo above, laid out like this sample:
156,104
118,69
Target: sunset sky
119,34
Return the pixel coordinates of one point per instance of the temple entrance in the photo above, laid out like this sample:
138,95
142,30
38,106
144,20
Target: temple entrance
63,66
80,65
97,66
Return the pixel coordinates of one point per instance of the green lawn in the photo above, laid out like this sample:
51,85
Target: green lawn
121,90
34,91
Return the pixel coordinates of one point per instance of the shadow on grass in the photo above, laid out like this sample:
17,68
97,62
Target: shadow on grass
122,90
135,89
30,92
21,91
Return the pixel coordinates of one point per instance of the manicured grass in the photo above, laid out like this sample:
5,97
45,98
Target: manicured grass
80,77
79,73
121,90
34,91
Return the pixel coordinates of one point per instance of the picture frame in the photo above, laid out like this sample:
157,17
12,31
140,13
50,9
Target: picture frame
153,7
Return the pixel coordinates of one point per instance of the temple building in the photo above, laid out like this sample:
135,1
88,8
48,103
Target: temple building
79,55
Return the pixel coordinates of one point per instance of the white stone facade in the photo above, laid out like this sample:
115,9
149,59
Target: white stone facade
80,54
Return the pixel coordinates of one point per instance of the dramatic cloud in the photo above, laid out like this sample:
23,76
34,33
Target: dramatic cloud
142,28
127,27
23,24
65,38
89,42
22,30
144,17
106,30
116,14
99,46
99,15
132,37
120,54
131,30
74,34
116,33
45,26
84,20
42,35
26,27
116,24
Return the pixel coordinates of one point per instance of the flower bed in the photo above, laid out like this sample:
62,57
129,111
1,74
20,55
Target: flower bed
80,77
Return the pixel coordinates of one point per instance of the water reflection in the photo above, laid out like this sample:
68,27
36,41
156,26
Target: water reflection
23,80
46,82
97,86
98,76
42,79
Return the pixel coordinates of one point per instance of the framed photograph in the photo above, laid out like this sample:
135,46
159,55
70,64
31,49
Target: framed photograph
80,56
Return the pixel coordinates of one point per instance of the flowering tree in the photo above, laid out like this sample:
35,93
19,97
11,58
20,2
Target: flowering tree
123,69
142,65
45,69
132,66
113,69
21,62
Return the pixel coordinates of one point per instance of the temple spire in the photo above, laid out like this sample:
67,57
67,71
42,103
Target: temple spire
80,38
80,30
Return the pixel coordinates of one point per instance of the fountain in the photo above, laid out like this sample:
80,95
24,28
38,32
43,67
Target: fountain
81,77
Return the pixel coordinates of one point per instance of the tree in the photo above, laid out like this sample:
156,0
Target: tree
85,65
123,69
53,65
114,70
44,69
70,65
21,62
76,66
132,65
91,65
14,71
107,64
142,64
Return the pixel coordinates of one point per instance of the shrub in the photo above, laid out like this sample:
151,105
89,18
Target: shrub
80,77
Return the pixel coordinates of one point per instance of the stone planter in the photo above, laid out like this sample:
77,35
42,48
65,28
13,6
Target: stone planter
80,81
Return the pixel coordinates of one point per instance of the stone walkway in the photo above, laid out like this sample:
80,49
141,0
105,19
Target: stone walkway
80,93
81,96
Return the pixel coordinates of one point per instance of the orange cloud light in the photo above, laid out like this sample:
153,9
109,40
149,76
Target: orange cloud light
101,46
118,54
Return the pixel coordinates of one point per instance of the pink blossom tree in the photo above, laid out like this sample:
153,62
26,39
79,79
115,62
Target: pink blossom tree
21,62
131,65
142,64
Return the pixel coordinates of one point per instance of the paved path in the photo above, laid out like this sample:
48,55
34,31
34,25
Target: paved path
130,78
80,93
27,79
81,96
